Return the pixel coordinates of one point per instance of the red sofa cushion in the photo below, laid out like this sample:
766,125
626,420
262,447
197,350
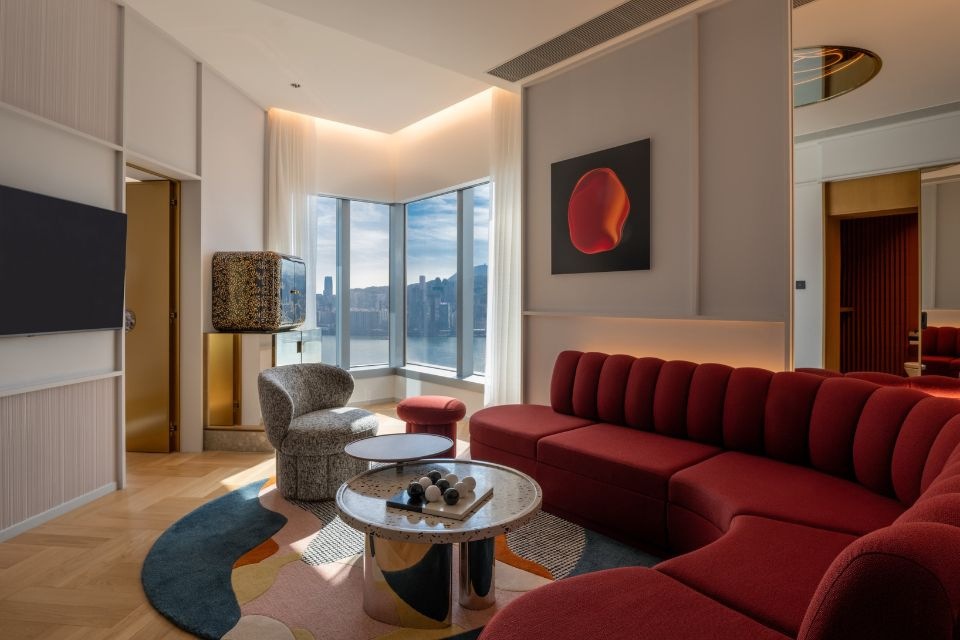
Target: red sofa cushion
786,423
765,568
743,409
732,484
947,342
937,365
517,427
621,604
637,460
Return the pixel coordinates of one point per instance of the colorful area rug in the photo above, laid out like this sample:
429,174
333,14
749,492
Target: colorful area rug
251,565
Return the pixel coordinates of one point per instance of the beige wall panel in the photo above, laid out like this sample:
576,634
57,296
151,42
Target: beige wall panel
60,60
948,237
55,445
644,90
160,93
735,343
745,146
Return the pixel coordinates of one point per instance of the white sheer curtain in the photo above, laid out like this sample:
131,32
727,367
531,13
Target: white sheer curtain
291,174
504,313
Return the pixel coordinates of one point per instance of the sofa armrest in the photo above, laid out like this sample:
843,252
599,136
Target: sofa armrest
897,582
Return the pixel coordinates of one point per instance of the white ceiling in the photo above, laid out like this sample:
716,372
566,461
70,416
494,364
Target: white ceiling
917,40
384,65
370,63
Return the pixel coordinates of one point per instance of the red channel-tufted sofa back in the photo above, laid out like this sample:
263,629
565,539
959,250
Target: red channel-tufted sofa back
941,341
895,441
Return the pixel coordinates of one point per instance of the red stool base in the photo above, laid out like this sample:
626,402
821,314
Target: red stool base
433,414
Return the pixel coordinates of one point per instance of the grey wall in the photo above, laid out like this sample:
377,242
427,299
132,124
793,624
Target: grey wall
712,94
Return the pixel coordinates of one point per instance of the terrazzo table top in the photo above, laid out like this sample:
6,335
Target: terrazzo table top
362,502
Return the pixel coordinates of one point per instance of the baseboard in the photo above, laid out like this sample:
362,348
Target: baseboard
367,403
59,510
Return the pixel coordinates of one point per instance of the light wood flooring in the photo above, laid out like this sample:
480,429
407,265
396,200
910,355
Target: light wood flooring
78,576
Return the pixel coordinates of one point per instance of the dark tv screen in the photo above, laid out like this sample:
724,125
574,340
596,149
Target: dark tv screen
61,265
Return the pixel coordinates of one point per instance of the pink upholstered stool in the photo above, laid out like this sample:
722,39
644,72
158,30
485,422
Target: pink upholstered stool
433,414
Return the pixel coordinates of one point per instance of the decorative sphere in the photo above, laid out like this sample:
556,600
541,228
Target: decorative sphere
434,476
461,488
451,496
443,484
452,478
425,482
433,493
415,490
469,483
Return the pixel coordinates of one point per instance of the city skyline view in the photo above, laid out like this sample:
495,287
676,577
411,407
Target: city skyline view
431,277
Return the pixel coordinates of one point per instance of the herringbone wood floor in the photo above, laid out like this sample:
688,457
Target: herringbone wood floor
78,576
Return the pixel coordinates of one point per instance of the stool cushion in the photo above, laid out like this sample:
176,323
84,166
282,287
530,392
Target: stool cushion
431,410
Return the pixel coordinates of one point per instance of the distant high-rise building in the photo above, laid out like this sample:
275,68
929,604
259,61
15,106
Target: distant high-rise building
327,286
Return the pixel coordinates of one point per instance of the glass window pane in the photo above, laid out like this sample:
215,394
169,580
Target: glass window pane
431,281
323,213
481,257
369,283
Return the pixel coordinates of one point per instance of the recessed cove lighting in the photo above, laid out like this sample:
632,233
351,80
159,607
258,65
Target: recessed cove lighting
825,72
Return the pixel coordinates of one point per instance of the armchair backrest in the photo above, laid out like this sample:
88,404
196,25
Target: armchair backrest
290,391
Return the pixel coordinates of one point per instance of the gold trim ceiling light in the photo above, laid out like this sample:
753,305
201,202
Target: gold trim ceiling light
824,72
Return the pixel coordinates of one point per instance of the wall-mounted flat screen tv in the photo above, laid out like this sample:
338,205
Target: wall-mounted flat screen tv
61,265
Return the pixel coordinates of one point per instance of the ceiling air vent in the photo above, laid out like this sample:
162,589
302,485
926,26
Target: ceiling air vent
607,26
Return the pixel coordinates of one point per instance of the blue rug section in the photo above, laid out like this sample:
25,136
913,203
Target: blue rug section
601,552
186,575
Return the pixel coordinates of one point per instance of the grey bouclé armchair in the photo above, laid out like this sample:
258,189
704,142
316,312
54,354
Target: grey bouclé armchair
307,422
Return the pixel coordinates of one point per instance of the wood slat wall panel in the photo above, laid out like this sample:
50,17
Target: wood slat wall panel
55,445
60,60
880,288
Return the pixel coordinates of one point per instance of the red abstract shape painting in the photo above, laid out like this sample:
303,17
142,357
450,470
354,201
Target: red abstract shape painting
600,211
597,211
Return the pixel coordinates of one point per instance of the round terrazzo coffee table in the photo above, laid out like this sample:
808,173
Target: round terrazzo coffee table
408,557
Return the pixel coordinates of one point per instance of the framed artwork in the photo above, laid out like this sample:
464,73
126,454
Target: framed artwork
600,210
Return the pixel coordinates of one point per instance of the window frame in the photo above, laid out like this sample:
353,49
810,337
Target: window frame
397,286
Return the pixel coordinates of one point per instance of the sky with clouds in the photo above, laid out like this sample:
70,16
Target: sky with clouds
431,238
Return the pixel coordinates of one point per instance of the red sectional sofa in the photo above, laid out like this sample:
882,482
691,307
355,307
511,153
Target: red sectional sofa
802,506
941,351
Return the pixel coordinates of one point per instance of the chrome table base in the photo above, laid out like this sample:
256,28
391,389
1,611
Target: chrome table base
409,584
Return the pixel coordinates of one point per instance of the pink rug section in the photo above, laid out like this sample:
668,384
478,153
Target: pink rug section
326,601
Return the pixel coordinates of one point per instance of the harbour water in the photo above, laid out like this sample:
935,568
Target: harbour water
433,351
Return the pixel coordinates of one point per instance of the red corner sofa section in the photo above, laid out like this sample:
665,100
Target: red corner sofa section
941,351
803,506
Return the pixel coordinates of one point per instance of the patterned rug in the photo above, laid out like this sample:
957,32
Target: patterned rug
251,565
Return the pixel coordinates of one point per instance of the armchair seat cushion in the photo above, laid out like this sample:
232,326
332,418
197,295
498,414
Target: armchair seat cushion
733,483
327,431
765,568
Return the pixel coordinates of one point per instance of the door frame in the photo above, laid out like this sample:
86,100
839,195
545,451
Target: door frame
174,304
